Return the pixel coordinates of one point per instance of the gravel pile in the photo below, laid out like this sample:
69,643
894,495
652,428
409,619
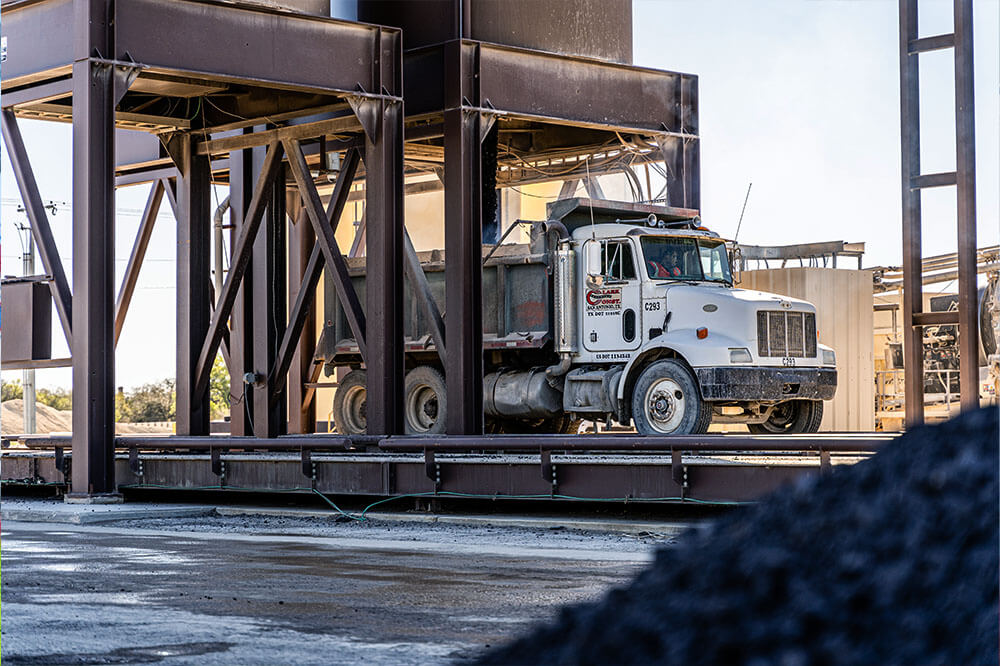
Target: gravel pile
891,561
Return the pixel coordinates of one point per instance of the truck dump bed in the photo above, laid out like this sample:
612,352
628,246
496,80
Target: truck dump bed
517,302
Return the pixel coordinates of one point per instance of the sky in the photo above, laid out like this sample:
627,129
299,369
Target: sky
799,97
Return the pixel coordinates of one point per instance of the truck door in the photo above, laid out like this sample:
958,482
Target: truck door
610,310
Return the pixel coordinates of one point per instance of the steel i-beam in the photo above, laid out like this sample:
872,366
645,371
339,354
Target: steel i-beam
909,80
268,269
93,349
241,186
194,227
463,252
965,162
384,252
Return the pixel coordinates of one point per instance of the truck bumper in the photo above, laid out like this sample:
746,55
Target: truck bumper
767,384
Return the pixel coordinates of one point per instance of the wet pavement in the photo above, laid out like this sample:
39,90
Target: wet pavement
127,594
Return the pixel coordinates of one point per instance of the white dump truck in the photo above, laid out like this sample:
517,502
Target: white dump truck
612,312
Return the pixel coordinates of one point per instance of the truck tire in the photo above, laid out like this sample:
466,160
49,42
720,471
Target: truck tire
350,404
792,417
425,408
666,401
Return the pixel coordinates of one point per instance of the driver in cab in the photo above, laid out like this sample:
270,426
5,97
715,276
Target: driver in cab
668,265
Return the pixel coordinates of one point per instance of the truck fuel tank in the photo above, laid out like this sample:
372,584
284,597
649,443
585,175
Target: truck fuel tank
522,394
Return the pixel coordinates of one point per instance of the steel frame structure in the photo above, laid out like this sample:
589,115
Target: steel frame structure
99,65
210,85
911,45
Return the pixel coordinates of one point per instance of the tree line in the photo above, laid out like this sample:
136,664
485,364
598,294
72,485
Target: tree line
156,401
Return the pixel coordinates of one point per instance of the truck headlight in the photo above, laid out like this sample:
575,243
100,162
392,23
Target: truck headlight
740,355
829,357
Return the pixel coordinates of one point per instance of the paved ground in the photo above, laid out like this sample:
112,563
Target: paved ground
265,590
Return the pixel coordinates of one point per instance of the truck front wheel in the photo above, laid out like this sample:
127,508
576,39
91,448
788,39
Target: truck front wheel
792,417
426,409
666,401
350,404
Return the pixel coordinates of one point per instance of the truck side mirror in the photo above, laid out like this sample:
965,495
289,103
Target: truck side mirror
736,264
594,267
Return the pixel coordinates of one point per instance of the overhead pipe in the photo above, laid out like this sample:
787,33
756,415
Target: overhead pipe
219,213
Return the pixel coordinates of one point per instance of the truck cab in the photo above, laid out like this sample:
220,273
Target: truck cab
659,311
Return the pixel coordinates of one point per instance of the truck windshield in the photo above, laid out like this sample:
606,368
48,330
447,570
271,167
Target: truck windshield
672,258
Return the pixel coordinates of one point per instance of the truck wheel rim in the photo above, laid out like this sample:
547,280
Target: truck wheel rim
665,404
355,409
422,408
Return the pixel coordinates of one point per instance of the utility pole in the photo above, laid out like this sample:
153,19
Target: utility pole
28,379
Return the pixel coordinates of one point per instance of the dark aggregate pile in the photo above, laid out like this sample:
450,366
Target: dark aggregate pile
890,561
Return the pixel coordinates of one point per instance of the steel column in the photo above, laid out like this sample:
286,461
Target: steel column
268,269
463,251
965,166
194,305
241,186
384,251
909,80
301,417
93,350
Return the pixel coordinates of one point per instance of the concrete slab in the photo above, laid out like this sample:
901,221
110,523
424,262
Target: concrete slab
56,511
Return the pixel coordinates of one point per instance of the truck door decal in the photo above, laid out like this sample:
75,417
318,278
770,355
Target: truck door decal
603,301
606,305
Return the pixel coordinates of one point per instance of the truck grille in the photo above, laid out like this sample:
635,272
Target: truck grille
786,334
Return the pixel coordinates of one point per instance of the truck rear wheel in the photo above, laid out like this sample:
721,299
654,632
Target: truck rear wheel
426,409
350,405
792,417
666,401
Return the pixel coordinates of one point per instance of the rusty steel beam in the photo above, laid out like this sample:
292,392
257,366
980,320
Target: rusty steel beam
324,231
249,44
194,225
623,477
339,125
641,443
241,186
268,266
39,93
40,229
238,264
301,247
549,87
463,244
909,85
384,252
965,161
935,318
935,43
327,246
711,443
93,346
142,237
